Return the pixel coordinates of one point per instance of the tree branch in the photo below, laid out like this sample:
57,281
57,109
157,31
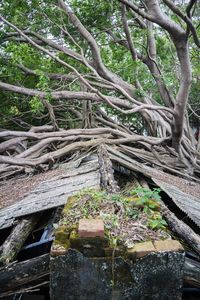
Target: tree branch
97,61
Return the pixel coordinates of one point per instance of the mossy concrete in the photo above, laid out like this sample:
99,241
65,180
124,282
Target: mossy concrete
157,276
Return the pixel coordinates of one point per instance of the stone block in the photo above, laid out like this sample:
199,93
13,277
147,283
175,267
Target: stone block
141,250
91,228
168,245
89,242
154,277
57,251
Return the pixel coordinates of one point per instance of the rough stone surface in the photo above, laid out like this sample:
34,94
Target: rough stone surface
91,228
57,252
168,245
141,249
157,276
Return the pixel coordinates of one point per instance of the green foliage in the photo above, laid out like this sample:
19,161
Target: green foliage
156,221
147,197
148,201
93,13
134,202
44,17
36,105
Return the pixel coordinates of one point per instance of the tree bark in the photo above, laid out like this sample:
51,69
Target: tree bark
16,239
182,229
107,177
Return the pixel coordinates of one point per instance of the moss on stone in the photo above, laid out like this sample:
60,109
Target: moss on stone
118,211
70,203
66,244
62,233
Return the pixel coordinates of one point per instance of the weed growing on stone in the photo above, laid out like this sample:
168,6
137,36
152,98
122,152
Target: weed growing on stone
129,217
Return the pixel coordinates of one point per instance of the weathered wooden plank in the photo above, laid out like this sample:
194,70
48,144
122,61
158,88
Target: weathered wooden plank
187,203
59,180
53,193
19,274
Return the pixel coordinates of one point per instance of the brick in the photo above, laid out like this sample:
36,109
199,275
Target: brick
91,228
141,250
168,245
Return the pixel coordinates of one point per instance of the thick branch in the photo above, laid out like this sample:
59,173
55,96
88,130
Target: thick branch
155,15
97,61
185,18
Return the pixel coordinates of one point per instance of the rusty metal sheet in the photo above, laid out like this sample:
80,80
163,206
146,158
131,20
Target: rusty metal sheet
187,203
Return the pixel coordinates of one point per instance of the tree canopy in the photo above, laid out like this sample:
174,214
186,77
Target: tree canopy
120,72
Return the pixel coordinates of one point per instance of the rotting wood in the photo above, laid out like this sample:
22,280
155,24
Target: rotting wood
18,275
192,273
27,289
54,192
182,229
16,239
187,203
107,178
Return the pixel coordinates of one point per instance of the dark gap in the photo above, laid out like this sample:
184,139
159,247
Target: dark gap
4,234
176,210
34,251
122,176
40,240
191,293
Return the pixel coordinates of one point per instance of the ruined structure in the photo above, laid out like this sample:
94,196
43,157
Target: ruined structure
87,265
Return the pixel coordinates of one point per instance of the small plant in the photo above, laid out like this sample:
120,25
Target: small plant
156,222
147,198
128,217
148,201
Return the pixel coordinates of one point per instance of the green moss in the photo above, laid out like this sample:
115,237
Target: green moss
74,234
66,244
62,233
70,203
117,212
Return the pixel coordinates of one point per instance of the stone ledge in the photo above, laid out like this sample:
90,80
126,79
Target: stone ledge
168,245
141,250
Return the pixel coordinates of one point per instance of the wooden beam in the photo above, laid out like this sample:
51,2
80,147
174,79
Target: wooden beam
15,276
16,239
